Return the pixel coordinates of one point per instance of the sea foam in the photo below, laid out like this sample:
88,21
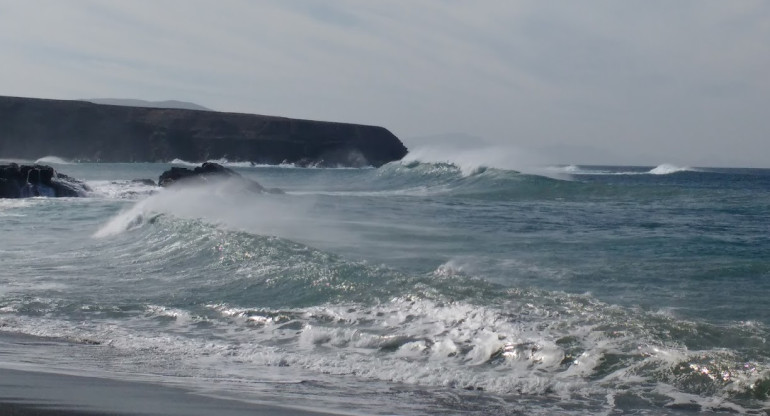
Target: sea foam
667,168
53,160
475,160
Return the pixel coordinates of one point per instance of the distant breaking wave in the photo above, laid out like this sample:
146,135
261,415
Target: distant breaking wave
222,161
477,160
663,169
54,160
667,168
225,162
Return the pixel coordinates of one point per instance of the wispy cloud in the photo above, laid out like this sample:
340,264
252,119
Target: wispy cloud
672,79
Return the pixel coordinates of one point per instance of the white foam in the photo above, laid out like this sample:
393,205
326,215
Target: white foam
179,316
413,191
122,189
55,160
183,162
667,168
663,169
578,170
472,161
404,340
225,162
424,338
451,268
586,170
222,161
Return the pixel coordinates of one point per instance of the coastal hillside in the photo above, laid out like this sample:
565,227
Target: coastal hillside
31,128
130,102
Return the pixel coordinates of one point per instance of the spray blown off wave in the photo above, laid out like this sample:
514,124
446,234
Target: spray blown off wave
471,161
663,169
667,169
53,160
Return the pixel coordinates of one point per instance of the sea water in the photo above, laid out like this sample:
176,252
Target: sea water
413,288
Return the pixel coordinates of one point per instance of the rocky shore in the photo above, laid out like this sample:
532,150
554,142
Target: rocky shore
26,181
209,172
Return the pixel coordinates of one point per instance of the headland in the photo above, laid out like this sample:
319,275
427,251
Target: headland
79,130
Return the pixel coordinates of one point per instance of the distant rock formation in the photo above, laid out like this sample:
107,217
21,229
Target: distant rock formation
129,102
27,181
209,172
84,131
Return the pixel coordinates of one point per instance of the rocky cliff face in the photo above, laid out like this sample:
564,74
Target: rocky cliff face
31,128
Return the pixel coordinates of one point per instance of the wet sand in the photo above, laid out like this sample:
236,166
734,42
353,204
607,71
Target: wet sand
26,393
30,390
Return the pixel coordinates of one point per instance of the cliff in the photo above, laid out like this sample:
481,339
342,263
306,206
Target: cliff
31,128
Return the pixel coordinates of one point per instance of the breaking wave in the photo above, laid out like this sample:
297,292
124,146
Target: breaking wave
667,169
663,169
276,303
54,160
471,161
223,162
226,162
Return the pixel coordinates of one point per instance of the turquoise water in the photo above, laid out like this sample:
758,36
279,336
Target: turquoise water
414,288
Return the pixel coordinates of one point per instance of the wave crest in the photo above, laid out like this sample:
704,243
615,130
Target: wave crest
55,160
667,168
476,160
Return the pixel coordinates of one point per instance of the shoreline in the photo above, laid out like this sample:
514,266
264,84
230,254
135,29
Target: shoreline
28,393
29,390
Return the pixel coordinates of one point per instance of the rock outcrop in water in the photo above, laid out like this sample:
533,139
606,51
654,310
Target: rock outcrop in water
209,172
31,128
27,181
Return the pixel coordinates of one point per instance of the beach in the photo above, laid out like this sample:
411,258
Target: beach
30,390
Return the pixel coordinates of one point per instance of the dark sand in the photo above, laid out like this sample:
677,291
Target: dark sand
26,392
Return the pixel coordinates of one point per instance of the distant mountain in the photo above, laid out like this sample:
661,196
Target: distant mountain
128,102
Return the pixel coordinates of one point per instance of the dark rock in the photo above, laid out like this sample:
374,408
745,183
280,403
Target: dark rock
85,131
208,172
37,180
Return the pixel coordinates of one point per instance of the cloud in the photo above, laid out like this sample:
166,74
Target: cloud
676,80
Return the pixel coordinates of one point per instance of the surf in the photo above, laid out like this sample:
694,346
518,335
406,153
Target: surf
412,279
53,160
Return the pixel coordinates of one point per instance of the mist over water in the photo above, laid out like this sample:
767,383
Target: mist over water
445,283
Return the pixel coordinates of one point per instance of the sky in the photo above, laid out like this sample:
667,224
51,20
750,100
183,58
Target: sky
639,82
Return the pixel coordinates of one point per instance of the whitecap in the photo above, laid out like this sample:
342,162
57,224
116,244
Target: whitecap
667,168
53,160
123,189
183,162
476,160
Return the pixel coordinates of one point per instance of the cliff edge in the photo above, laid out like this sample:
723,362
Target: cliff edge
31,128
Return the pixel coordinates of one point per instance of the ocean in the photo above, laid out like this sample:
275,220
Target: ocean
415,288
